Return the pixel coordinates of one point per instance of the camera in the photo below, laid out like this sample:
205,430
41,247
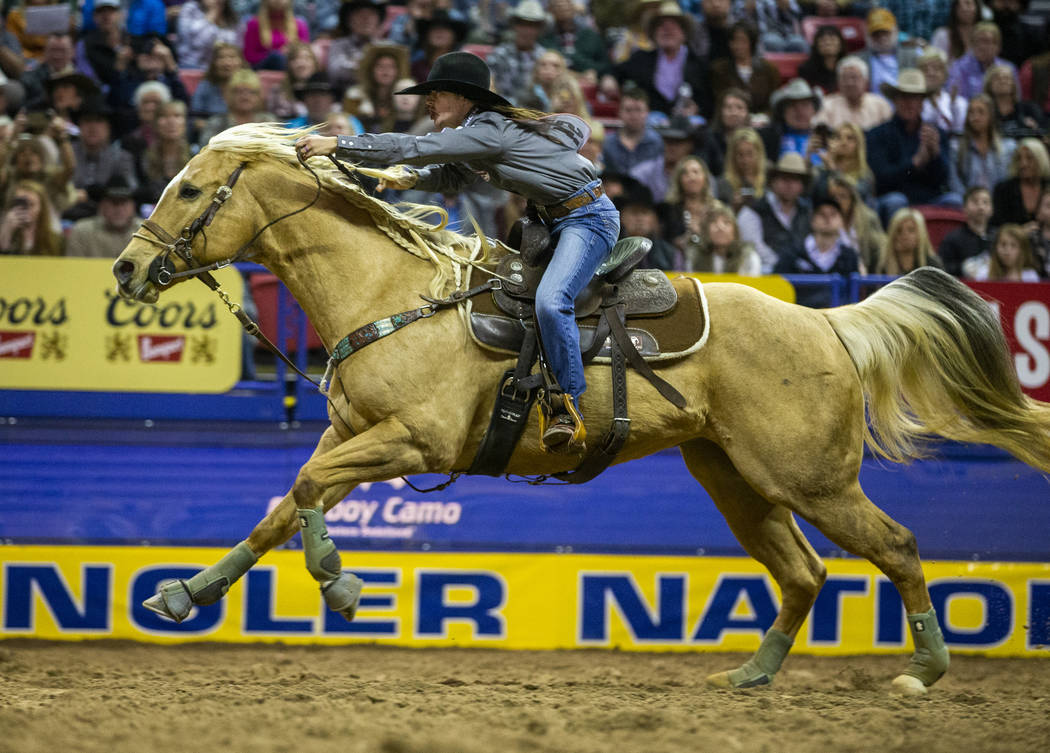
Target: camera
822,130
20,202
747,193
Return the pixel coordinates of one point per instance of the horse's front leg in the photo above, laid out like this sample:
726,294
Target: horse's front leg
175,599
383,452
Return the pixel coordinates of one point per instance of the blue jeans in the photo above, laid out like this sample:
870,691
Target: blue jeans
583,240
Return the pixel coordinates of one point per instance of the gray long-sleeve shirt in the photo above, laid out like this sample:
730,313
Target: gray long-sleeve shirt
546,170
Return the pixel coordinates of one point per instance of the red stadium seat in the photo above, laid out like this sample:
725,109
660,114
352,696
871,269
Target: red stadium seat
787,63
190,78
853,29
481,50
265,289
940,221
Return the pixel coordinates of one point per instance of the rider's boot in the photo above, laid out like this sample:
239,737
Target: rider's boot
561,425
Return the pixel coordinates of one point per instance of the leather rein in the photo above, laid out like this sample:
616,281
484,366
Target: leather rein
162,272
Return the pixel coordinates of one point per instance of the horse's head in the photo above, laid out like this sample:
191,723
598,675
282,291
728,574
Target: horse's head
180,236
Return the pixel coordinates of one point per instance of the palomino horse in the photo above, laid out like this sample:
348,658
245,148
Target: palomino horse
776,400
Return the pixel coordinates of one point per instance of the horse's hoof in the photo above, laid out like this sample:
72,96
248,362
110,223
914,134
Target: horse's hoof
343,595
172,601
908,685
719,680
739,679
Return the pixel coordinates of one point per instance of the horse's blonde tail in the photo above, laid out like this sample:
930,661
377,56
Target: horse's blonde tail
933,361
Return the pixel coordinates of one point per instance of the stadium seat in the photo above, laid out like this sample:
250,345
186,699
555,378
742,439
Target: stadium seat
787,63
481,50
265,290
853,29
940,221
600,106
190,78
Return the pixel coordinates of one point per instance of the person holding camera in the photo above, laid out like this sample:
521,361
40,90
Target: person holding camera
25,228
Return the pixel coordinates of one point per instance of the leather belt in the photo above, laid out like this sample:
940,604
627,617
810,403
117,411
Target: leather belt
557,211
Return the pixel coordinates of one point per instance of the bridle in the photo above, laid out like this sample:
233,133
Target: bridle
162,272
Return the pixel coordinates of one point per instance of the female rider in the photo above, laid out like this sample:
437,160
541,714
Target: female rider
524,151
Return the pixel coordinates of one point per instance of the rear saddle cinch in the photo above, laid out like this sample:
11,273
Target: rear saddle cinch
626,316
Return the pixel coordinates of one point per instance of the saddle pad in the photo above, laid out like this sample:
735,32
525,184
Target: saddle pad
673,334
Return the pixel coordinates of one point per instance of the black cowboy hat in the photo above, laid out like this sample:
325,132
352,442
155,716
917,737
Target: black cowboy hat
94,108
461,73
441,18
349,6
117,188
317,83
678,128
84,84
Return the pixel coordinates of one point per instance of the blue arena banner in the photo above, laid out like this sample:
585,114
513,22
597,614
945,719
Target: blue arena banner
209,486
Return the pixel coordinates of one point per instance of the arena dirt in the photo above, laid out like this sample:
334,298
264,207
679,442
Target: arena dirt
120,697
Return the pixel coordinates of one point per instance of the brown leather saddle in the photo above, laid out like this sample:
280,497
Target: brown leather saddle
658,326
625,315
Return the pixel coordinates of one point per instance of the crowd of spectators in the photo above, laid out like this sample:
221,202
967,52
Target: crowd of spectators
728,158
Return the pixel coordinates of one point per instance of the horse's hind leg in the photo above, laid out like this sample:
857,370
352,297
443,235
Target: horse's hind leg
176,599
853,522
770,535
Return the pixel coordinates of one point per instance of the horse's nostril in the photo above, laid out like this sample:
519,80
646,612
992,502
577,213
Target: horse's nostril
123,271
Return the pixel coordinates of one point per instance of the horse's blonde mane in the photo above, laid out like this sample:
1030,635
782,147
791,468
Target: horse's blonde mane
405,224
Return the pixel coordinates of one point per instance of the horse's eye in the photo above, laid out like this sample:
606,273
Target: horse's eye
189,192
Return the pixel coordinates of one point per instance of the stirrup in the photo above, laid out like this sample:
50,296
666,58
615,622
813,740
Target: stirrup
561,426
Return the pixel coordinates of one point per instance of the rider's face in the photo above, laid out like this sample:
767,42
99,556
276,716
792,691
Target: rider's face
446,109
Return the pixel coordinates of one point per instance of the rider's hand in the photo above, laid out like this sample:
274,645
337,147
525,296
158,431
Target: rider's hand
314,146
399,179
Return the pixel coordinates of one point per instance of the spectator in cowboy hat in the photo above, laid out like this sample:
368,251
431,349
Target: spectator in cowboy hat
512,62
68,91
359,22
679,137
779,221
885,55
104,235
440,33
673,76
908,157
640,218
98,156
372,100
794,106
824,250
319,96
